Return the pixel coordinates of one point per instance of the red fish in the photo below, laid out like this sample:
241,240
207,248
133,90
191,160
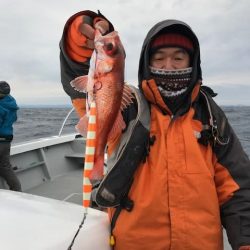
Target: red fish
104,84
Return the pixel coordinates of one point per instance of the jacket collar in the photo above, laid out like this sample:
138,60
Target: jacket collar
152,94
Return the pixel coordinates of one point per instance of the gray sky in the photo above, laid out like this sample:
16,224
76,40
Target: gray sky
31,30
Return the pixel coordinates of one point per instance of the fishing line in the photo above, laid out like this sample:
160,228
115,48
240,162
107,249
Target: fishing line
77,232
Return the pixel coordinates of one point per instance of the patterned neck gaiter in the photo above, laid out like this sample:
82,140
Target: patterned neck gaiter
172,84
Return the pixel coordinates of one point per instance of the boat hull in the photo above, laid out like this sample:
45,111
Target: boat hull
31,222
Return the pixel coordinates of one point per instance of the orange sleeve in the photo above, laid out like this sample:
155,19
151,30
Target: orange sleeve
80,106
225,184
76,42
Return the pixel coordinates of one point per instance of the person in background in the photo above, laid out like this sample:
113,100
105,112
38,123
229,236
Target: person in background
8,115
194,176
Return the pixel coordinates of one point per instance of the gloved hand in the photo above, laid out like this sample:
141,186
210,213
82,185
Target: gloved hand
88,27
79,40
244,248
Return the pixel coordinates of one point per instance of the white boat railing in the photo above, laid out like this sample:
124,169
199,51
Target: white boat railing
66,118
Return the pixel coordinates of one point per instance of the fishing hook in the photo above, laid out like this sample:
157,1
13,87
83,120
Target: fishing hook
98,86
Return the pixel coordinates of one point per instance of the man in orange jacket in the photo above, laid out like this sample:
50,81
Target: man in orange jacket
193,176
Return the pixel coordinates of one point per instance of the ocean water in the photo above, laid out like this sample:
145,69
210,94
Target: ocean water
239,118
38,122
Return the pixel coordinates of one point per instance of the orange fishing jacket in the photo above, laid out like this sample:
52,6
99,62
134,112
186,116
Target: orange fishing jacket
175,197
184,188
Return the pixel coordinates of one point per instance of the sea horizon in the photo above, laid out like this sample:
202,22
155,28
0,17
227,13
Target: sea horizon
45,106
71,106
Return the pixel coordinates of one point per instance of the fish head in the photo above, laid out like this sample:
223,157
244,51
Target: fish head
109,46
109,61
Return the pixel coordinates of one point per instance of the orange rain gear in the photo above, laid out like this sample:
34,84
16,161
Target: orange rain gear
175,195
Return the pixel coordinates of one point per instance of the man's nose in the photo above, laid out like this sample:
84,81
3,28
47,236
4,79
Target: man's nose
168,64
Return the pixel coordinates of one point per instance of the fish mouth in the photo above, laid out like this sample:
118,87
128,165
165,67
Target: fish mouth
112,34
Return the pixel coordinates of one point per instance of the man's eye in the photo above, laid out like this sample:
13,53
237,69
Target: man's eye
158,58
178,58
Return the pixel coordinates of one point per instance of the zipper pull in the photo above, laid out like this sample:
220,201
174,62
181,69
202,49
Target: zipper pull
112,240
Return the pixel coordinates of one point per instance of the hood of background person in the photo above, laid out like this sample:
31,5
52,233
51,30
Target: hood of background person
8,102
4,88
169,26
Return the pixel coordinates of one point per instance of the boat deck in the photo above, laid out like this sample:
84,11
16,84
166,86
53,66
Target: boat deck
66,187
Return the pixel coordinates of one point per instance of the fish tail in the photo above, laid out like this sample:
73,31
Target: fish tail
98,169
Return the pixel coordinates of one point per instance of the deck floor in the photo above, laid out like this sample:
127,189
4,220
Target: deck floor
67,187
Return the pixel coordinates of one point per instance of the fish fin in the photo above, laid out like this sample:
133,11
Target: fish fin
117,128
80,83
98,169
127,97
82,126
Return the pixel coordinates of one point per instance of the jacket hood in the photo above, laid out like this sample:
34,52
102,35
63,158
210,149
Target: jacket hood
169,26
8,102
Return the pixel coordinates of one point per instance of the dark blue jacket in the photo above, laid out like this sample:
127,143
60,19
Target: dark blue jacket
8,115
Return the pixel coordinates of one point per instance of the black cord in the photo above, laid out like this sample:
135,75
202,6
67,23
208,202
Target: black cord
77,232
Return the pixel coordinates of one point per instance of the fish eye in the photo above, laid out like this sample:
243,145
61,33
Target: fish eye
109,46
110,49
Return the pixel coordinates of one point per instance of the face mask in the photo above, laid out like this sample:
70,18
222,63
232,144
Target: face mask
172,83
